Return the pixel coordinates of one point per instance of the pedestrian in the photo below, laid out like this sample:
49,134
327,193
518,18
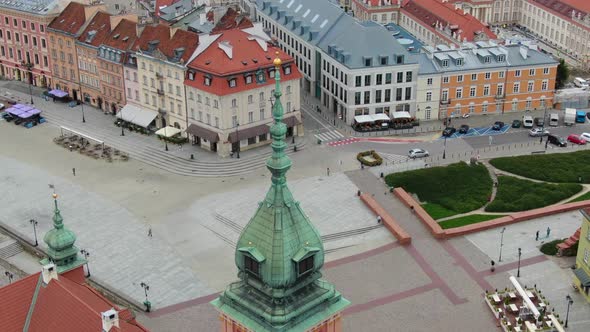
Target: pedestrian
74,171
537,236
71,147
150,232
548,231
493,266
328,171
378,219
412,208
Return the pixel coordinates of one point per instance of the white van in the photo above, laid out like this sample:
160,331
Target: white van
527,121
553,119
580,82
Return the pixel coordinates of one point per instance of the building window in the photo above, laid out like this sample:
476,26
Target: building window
367,80
357,81
531,86
379,79
545,71
532,72
586,255
215,103
474,77
232,83
191,75
287,70
517,73
444,95
367,98
207,81
459,62
459,93
516,88
248,79
528,104
400,77
234,102
429,96
262,114
357,98
445,79
445,63
408,93
305,265
409,76
250,117
471,108
488,76
484,107
429,81
486,90
472,91
544,85
388,78
459,78
500,90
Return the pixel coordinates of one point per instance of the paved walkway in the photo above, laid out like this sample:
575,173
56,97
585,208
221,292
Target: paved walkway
147,149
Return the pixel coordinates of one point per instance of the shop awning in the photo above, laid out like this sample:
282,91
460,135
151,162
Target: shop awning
248,132
58,93
136,115
583,277
401,115
202,132
29,113
380,117
168,131
363,119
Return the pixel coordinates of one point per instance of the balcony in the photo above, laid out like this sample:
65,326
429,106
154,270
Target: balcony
445,101
500,96
160,92
159,76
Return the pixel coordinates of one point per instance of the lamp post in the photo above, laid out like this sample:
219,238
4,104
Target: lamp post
147,303
166,137
570,301
34,223
501,242
445,149
29,66
544,119
122,123
518,271
10,276
86,255
81,101
238,140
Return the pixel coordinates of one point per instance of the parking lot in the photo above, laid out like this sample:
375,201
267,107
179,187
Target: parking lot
479,131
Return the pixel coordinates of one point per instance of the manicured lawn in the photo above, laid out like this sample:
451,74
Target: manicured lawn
556,167
584,197
456,188
467,220
520,195
436,211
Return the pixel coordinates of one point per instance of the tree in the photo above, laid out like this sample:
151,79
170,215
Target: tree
563,73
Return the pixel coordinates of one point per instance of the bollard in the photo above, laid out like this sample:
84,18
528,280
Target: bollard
358,192
192,156
295,148
381,174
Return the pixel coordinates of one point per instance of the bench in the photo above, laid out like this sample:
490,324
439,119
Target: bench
538,152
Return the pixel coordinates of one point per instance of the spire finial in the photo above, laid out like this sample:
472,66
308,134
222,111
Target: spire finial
57,219
277,61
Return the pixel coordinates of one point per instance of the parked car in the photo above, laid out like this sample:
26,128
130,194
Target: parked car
516,123
586,136
540,122
588,115
464,129
557,140
536,132
449,131
1,106
418,153
465,116
498,125
576,139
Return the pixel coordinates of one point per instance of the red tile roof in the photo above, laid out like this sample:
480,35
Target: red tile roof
215,62
432,11
100,25
231,20
580,5
167,44
564,8
70,20
123,36
61,305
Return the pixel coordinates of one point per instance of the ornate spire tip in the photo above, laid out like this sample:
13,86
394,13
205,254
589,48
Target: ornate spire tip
54,196
277,61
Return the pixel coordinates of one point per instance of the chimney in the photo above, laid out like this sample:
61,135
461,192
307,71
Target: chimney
49,272
110,319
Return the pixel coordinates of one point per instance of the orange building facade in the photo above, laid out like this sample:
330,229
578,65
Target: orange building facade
493,79
332,324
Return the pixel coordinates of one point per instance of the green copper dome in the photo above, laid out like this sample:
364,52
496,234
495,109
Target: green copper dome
60,242
279,255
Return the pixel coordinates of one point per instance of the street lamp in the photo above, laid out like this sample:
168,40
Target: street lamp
445,149
10,276
166,137
501,242
86,255
29,66
238,140
544,119
122,123
570,301
34,223
147,303
518,271
81,101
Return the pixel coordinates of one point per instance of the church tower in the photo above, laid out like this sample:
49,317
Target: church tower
60,245
279,257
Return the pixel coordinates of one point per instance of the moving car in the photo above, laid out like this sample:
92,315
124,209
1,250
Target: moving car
498,125
465,116
553,119
536,132
576,139
449,131
418,153
586,136
516,123
557,140
540,122
463,129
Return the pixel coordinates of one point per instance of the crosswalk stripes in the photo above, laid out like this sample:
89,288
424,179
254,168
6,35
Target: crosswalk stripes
331,135
394,158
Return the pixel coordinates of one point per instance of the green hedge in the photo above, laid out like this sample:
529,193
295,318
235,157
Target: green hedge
467,220
556,167
378,160
174,139
457,187
580,198
521,195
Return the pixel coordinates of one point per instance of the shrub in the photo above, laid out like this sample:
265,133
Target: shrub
457,187
520,195
557,167
361,157
467,220
550,248
174,139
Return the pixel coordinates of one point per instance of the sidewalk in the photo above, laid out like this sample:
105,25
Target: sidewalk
147,149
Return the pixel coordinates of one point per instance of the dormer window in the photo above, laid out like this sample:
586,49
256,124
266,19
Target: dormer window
287,70
445,63
251,265
248,79
459,62
399,59
191,75
368,62
487,59
232,83
207,81
305,265
501,58
383,60
271,73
